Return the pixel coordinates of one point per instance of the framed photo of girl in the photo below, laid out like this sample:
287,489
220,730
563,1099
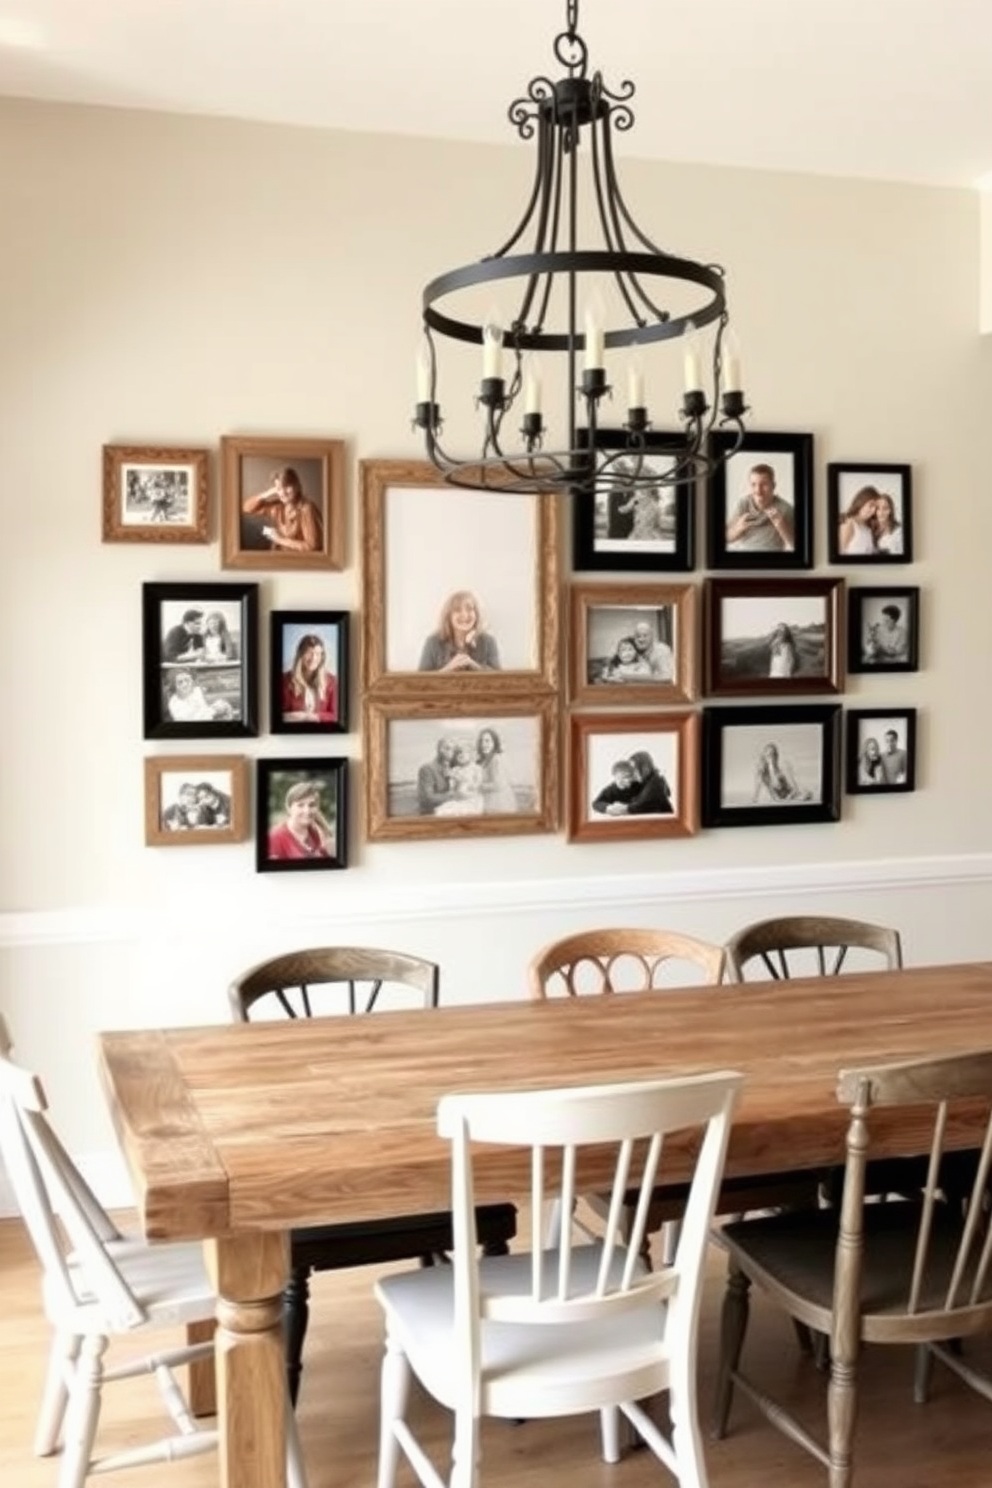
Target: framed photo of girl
760,502
460,767
652,530
765,766
154,495
633,775
883,629
282,503
632,643
767,636
870,513
301,815
308,672
199,650
881,750
195,800
459,588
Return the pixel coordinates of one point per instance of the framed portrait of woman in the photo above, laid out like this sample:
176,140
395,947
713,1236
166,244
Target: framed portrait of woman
633,775
301,815
765,766
767,636
870,513
282,503
308,672
459,588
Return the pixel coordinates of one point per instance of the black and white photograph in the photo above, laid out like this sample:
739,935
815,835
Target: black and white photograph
870,513
632,643
760,502
771,764
632,775
883,629
195,800
301,815
308,671
199,651
154,495
647,528
768,637
881,750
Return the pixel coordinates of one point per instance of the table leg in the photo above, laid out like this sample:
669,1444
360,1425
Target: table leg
249,1272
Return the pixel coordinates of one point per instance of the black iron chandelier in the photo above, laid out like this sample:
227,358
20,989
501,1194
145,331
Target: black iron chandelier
560,309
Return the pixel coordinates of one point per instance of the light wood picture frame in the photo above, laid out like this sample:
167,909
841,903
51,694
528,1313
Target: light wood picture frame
431,772
155,495
459,589
633,775
282,503
195,800
632,643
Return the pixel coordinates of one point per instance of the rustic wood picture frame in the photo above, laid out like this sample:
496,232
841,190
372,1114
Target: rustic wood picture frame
257,477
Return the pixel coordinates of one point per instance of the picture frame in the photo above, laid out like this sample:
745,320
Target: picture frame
199,660
301,814
308,671
869,513
883,628
767,637
421,756
633,643
632,776
475,610
604,536
154,495
743,786
195,800
741,492
890,765
282,503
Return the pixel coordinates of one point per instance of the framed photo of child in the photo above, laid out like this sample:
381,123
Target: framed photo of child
633,775
633,643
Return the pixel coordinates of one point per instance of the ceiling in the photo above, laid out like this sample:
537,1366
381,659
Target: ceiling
891,89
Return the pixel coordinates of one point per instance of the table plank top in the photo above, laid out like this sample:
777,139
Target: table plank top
264,1126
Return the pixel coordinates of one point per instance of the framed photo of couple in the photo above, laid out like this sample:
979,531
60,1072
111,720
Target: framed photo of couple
652,530
633,775
633,643
195,800
199,649
870,513
760,502
881,750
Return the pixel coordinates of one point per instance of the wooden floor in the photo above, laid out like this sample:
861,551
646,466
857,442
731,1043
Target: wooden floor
899,1445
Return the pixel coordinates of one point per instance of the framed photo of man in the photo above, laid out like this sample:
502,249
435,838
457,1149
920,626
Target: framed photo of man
883,629
308,671
881,750
632,643
765,766
643,529
632,775
195,800
301,815
870,513
282,503
199,651
459,588
154,495
773,636
760,502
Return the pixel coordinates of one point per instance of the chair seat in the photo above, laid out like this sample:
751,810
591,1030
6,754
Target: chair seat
169,1282
524,1367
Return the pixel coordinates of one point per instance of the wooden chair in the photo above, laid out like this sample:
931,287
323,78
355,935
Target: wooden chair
907,1272
829,939
286,986
99,1284
563,1330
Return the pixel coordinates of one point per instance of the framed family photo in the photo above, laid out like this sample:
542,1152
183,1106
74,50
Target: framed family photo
195,800
767,636
282,503
647,531
760,502
301,815
308,672
881,750
632,643
633,775
154,495
449,769
870,513
771,765
199,660
883,629
460,589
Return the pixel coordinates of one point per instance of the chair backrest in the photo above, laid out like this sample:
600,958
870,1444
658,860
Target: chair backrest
807,945
614,960
68,1226
359,973
953,1247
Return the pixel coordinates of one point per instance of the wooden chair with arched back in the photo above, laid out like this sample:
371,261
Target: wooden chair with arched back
778,945
612,960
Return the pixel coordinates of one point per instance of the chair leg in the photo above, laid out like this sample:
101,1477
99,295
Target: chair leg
733,1326
295,1318
465,1451
82,1413
296,1473
686,1437
55,1397
609,1430
394,1391
842,1401
803,1337
923,1369
671,1230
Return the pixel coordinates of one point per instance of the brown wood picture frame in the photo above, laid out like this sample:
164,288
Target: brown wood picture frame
633,775
282,503
632,643
195,800
432,554
154,495
773,637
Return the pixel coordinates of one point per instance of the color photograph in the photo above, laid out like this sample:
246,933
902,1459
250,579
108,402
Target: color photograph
301,815
869,513
308,663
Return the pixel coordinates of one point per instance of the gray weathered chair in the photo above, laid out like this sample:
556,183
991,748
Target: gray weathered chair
362,976
914,1272
778,945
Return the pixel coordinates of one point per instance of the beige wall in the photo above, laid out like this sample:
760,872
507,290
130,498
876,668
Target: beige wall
171,280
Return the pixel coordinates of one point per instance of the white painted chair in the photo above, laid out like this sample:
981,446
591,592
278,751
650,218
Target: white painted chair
561,1331
100,1283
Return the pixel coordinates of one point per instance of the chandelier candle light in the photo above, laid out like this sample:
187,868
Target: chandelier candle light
557,281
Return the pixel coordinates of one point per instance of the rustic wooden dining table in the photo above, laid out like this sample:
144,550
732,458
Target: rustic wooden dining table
236,1133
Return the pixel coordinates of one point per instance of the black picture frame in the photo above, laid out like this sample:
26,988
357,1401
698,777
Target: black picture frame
591,514
846,482
321,708
790,457
789,640
894,769
883,628
807,737
277,848
220,700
